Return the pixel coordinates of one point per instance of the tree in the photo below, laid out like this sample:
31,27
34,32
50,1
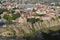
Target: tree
3,10
17,15
9,17
15,8
40,14
57,4
0,2
32,21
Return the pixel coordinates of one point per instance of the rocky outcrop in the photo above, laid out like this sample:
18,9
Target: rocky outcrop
22,28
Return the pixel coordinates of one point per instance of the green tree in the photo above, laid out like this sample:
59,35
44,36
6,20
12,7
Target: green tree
3,10
17,15
40,14
9,17
32,21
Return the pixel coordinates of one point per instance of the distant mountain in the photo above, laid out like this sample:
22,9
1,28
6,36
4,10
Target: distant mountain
44,0
52,0
31,1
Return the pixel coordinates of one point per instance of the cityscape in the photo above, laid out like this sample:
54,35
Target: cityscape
29,19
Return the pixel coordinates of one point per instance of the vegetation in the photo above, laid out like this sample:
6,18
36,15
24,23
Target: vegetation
28,36
9,17
15,16
58,16
40,14
57,4
3,10
32,20
15,8
51,35
46,32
